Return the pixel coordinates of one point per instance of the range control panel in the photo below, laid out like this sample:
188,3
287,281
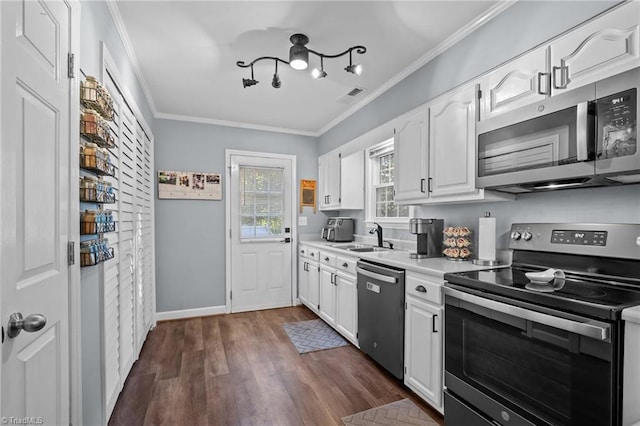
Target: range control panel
594,239
581,238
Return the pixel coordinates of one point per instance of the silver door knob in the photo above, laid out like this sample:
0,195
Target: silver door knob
34,322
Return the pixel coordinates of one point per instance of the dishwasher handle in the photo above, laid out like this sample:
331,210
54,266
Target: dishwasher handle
379,277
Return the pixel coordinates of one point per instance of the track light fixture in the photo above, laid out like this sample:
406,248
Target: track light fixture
299,60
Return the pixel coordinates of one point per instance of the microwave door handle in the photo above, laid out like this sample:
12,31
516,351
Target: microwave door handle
583,329
582,137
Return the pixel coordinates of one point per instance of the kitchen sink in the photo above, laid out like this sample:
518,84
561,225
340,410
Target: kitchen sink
366,249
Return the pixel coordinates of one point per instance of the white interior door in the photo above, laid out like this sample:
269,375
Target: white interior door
261,210
34,225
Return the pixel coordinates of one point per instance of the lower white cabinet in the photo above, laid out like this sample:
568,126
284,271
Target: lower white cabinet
347,299
328,292
308,277
424,366
327,286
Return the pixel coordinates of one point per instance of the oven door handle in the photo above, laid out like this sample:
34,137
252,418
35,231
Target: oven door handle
379,277
581,328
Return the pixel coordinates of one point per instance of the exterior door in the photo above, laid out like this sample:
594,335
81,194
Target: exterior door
34,176
260,217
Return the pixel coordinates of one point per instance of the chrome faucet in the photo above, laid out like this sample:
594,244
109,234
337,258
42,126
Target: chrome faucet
378,230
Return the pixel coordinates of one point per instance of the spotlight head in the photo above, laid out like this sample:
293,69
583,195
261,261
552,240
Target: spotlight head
248,82
316,73
276,83
298,53
354,69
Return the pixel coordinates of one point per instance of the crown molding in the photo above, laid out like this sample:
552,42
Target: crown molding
491,13
164,116
124,36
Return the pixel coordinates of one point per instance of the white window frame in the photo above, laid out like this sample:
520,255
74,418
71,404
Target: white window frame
370,197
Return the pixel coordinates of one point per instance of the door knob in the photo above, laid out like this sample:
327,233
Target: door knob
34,322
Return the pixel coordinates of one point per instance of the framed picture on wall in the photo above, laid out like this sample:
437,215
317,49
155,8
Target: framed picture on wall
189,185
307,194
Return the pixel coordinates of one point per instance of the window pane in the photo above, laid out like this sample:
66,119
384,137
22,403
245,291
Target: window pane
403,211
261,202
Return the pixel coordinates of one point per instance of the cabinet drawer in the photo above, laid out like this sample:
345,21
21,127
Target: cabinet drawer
424,288
346,264
313,254
327,259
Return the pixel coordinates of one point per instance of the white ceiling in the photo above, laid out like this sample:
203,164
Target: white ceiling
186,53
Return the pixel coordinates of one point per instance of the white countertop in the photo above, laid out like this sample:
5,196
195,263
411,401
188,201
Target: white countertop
435,266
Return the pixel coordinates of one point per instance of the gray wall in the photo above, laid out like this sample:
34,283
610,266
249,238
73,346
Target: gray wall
521,27
190,235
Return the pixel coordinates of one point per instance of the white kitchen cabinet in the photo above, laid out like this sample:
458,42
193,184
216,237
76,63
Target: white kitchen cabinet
347,298
308,277
606,46
329,177
410,154
328,288
520,82
452,128
341,181
424,367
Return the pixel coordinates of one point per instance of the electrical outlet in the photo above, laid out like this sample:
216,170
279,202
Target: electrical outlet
302,221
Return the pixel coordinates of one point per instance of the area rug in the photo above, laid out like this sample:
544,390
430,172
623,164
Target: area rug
399,413
313,335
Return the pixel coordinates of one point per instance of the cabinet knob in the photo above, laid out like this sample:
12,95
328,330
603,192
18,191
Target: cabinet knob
326,258
421,289
345,264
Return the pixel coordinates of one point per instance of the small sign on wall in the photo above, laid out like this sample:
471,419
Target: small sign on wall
307,194
189,185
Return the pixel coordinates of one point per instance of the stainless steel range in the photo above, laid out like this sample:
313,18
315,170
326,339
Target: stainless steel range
542,342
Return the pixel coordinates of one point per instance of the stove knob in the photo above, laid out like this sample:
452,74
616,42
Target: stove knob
526,235
515,235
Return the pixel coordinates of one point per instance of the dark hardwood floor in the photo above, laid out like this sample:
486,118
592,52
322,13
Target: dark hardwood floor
241,369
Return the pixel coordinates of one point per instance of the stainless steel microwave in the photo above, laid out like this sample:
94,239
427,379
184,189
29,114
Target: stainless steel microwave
585,137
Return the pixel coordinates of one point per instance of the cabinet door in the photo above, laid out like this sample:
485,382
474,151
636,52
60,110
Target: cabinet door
452,143
352,181
329,177
347,307
328,295
303,281
411,159
604,47
423,350
518,83
313,294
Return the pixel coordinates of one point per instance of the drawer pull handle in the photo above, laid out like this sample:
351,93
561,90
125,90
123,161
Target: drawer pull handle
421,289
345,264
326,258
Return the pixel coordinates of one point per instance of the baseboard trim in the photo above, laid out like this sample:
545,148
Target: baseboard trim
190,313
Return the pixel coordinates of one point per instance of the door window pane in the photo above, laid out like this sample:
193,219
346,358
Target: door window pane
261,202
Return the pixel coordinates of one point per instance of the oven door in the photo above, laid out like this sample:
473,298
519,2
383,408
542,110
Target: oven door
516,365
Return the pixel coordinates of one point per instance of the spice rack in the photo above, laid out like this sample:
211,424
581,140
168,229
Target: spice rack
96,222
95,251
95,160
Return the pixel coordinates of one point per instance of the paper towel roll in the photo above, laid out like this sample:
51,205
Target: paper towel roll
487,238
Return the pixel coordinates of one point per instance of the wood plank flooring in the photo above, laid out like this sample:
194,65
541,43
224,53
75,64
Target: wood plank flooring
241,369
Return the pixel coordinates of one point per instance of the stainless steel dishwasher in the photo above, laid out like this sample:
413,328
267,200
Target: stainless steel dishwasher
381,314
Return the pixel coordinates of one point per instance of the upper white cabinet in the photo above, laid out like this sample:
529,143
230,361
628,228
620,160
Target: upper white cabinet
599,49
518,83
341,181
452,126
411,158
329,177
603,47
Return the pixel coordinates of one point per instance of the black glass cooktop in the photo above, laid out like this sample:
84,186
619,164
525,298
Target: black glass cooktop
598,298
